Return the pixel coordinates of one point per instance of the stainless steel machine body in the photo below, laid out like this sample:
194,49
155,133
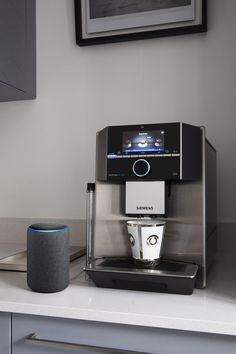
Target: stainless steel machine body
189,172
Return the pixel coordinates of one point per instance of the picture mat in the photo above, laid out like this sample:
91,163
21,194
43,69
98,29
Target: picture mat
139,19
85,35
106,8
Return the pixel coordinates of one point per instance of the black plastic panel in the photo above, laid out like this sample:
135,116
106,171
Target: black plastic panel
172,151
171,137
120,161
167,277
160,168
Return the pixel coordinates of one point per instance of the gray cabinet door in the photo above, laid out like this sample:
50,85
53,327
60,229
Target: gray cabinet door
57,334
17,49
5,333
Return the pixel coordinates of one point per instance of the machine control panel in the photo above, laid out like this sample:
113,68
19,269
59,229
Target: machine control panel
141,168
149,151
144,140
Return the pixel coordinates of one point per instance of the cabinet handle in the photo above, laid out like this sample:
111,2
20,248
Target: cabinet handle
32,339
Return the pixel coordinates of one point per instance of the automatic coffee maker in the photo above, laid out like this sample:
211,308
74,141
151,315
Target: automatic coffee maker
164,172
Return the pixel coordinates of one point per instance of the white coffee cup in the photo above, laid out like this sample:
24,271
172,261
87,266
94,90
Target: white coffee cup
145,237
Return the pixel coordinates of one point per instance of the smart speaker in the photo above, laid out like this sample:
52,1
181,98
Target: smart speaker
48,257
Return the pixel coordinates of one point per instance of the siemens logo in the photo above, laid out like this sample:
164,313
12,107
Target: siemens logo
144,207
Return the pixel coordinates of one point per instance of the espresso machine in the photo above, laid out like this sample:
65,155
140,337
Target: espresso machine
164,172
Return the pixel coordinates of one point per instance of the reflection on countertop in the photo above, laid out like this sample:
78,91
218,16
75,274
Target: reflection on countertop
211,310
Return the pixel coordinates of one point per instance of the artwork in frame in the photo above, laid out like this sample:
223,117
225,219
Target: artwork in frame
107,21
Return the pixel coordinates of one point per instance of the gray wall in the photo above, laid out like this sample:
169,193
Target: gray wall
47,146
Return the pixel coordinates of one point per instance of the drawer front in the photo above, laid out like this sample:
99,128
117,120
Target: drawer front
47,335
55,335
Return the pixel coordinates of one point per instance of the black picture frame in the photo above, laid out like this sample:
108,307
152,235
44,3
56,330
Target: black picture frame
83,40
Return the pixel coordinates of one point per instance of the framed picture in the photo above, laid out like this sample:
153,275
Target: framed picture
107,21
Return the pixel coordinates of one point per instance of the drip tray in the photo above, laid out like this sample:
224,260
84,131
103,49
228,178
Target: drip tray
125,273
17,262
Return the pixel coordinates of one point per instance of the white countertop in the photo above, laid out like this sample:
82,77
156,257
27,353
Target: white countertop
211,310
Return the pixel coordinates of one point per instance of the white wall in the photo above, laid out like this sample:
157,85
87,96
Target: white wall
47,146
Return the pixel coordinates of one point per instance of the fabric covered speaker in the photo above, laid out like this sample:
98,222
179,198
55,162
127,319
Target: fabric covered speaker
48,258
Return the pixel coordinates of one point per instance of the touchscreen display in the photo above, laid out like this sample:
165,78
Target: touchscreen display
143,141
